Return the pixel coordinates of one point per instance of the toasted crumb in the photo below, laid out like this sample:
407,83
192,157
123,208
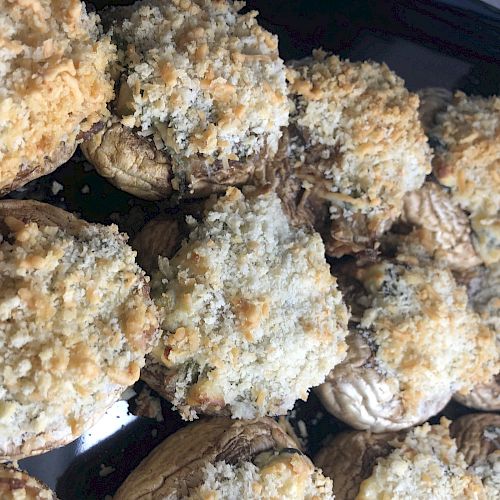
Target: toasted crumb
75,323
249,310
426,337
201,79
53,79
356,139
18,485
467,161
426,464
283,476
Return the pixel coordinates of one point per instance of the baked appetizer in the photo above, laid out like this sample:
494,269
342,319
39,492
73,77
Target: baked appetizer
478,439
251,316
226,459
202,99
421,464
16,484
484,296
356,145
55,85
432,229
467,161
412,344
76,321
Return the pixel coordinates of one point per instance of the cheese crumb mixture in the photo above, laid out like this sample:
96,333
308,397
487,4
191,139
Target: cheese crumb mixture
54,83
18,485
251,314
75,323
468,162
489,468
361,144
201,79
285,475
425,338
426,464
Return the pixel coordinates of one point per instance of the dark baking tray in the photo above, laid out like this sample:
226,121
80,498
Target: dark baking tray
454,44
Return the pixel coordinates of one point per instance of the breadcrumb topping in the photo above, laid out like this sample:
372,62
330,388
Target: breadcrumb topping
289,476
201,79
251,314
426,464
424,335
468,162
75,324
53,79
18,485
362,126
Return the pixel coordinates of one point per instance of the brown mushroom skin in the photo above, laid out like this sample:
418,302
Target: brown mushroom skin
27,173
176,465
349,459
468,432
16,484
134,164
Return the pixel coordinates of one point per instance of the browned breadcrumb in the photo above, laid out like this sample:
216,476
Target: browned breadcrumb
75,323
201,79
426,336
18,485
54,83
356,139
467,160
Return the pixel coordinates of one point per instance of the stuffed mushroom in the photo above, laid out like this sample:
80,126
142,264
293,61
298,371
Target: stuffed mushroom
55,85
420,464
467,161
251,316
413,342
349,175
201,100
76,321
225,459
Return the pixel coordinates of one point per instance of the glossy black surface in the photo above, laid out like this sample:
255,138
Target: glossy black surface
455,44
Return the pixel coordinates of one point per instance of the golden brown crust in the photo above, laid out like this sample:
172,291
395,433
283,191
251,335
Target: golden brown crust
16,484
469,433
61,365
175,466
349,459
27,173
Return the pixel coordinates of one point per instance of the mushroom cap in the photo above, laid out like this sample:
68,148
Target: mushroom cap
175,467
349,168
467,160
208,112
440,230
14,483
228,337
471,435
403,365
349,459
359,394
89,350
55,86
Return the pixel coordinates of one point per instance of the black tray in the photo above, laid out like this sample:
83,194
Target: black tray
454,44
